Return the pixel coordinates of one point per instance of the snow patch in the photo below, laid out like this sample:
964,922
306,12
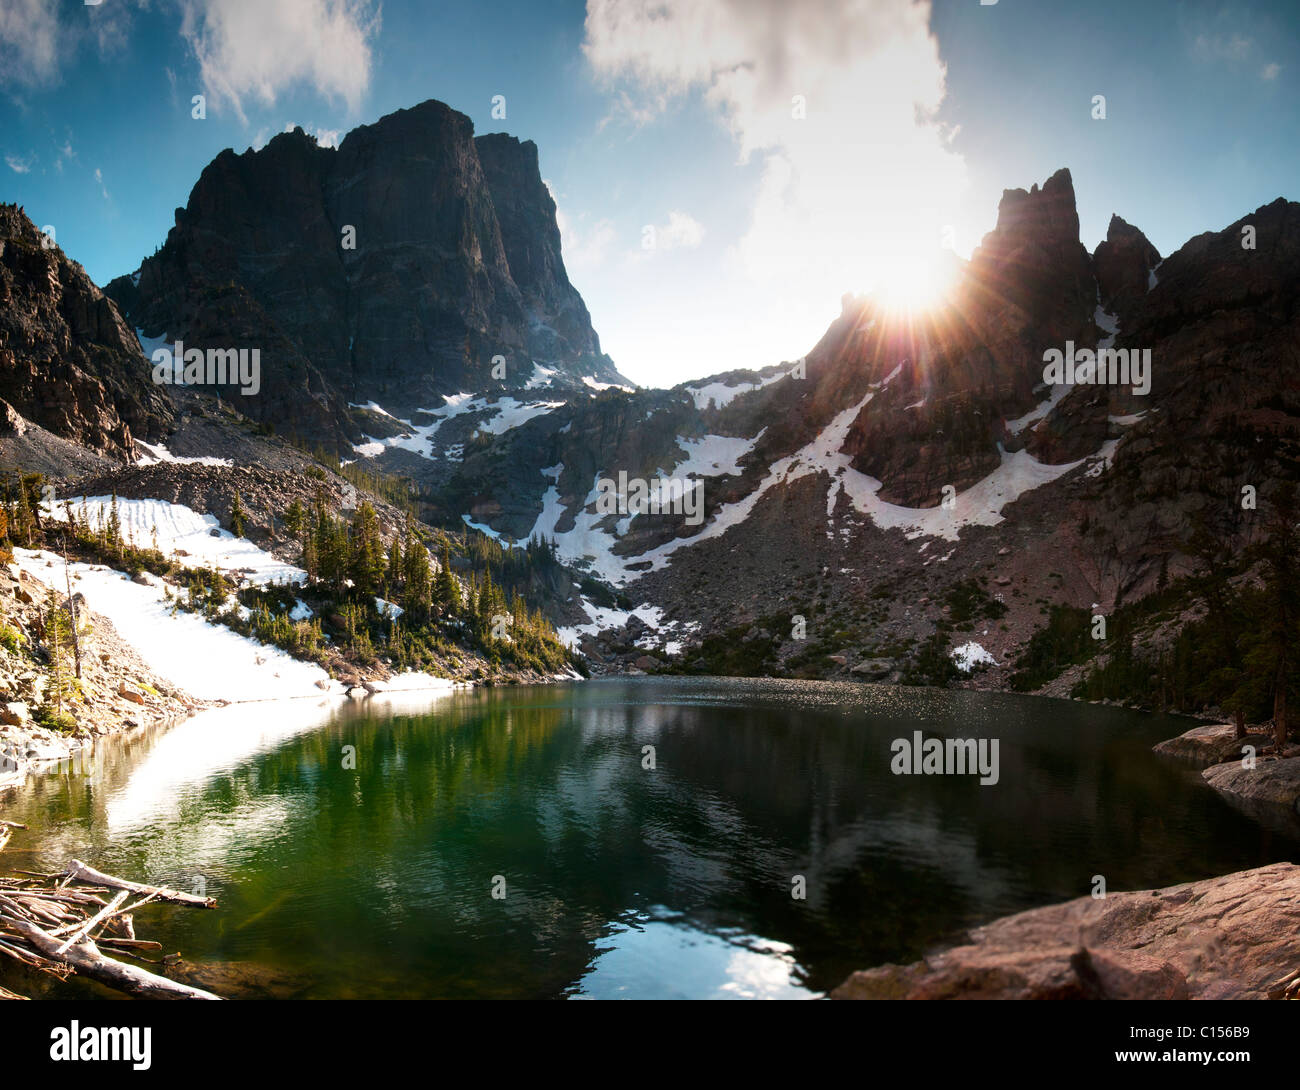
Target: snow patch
969,655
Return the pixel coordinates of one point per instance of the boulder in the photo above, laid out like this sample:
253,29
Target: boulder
129,692
1056,973
1209,745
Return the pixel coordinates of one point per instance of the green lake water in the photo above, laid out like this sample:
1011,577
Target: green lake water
369,871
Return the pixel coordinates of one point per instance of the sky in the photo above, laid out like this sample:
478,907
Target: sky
724,170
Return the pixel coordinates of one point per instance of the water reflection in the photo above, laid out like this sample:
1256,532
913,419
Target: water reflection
373,875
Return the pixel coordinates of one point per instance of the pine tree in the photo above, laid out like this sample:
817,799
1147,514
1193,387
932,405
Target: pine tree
416,595
295,520
113,532
448,588
366,559
393,578
58,640
237,516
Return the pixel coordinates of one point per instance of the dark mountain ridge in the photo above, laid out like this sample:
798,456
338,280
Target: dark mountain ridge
401,266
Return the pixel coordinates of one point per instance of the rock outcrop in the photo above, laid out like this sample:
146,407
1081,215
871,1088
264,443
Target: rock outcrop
1234,937
1272,780
68,362
1210,744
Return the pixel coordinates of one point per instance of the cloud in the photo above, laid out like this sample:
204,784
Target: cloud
19,165
1222,47
99,178
836,101
253,49
1270,71
29,48
583,247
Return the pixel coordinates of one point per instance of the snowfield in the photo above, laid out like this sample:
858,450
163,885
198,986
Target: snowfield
181,530
720,394
591,541
207,660
155,453
418,438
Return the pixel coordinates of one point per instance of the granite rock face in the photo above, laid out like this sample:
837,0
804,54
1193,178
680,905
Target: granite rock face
393,268
68,362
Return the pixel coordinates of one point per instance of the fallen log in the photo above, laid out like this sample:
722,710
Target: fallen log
85,958
51,928
79,872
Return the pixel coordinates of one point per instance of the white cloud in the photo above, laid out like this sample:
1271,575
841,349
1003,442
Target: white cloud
1270,71
326,138
583,246
837,100
253,49
1221,47
29,32
18,164
99,178
681,232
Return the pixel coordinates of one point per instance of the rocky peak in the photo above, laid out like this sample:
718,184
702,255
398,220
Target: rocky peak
68,361
1034,261
1123,263
393,268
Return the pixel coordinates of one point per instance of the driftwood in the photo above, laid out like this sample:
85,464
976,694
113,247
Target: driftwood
48,926
85,958
79,872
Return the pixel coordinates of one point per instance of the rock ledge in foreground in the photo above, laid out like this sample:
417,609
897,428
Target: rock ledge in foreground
1233,937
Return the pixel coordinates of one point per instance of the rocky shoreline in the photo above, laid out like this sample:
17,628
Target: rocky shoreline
1269,779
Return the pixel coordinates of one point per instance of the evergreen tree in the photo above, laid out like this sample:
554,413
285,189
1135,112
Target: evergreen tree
416,595
237,516
295,520
366,559
448,587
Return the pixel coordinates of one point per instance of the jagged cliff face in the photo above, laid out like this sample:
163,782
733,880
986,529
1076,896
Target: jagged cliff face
68,361
393,268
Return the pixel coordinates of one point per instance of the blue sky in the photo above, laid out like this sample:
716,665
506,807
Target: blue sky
680,115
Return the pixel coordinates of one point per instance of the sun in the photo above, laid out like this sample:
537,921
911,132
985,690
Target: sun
915,282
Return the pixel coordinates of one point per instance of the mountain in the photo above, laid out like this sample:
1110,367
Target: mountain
919,498
392,269
824,482
68,362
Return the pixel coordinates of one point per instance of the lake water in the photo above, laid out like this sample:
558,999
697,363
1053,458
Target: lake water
372,875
